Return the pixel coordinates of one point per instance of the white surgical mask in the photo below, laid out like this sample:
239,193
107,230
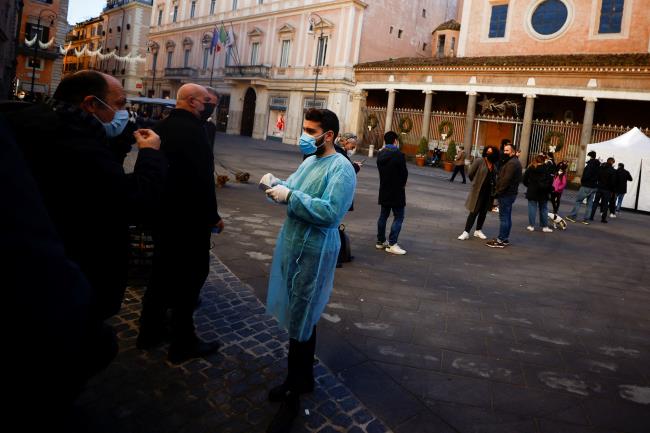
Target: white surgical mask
119,122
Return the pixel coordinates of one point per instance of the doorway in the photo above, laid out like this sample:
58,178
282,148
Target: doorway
248,114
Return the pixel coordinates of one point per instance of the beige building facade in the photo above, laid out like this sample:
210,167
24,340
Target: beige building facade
126,30
267,71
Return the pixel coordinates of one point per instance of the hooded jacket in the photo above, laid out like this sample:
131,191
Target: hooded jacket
590,174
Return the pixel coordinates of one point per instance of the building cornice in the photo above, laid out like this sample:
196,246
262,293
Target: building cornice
228,19
617,63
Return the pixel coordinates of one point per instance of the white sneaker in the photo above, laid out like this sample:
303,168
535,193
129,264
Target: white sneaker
547,230
530,228
381,246
395,249
463,236
612,215
495,209
479,234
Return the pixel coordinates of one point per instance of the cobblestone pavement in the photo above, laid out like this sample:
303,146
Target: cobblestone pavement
141,392
550,335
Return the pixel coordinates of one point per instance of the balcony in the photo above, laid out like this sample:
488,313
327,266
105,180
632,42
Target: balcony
178,73
258,71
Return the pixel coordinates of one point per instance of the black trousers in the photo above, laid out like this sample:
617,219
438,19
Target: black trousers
480,211
180,267
555,201
458,169
602,197
301,363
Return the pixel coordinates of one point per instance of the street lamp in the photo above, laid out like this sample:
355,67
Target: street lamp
153,48
52,15
319,49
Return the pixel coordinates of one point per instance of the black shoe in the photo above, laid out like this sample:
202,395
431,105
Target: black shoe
603,221
283,419
181,352
280,392
339,265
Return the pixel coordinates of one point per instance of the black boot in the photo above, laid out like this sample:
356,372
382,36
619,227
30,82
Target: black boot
299,379
288,412
183,350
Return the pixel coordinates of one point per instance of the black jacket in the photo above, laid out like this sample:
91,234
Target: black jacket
607,177
189,198
393,175
86,192
622,178
509,177
590,174
539,182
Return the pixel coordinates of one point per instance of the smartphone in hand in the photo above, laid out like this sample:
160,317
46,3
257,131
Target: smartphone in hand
263,187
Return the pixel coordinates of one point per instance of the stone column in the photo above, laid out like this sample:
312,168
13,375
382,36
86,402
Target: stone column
235,110
469,121
356,112
261,120
389,110
426,120
526,127
585,135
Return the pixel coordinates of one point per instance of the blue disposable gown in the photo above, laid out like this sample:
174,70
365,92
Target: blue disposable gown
302,274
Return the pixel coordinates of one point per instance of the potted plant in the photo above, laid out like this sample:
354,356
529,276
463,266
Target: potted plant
423,148
450,155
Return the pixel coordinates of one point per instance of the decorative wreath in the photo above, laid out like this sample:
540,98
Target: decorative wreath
446,127
405,125
372,121
548,140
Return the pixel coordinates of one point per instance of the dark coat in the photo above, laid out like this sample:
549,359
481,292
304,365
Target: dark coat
590,174
607,177
87,194
509,177
539,182
393,175
49,300
622,178
189,199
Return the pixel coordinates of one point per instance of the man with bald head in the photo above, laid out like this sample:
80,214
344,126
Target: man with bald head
182,230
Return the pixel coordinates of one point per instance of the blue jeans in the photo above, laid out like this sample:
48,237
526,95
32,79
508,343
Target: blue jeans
583,192
398,217
533,207
505,216
619,202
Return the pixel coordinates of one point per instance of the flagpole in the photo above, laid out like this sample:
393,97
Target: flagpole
214,56
233,43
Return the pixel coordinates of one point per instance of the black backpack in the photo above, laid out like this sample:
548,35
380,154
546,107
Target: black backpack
345,253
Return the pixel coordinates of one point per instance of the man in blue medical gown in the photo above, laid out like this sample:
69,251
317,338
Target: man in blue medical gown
317,197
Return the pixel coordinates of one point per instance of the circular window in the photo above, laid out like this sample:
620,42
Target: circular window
549,17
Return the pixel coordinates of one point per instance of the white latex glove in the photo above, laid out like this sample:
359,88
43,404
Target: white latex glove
269,180
279,193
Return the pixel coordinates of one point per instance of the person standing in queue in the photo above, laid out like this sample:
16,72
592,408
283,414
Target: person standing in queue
182,230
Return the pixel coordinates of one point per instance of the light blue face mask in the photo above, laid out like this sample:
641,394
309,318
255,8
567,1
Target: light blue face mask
307,143
117,125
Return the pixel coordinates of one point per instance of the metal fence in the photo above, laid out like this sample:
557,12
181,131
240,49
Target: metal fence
568,132
409,124
607,132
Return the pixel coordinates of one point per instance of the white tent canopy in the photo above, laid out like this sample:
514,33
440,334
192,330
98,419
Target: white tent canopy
633,150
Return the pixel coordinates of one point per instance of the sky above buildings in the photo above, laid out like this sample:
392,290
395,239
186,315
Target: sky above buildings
81,10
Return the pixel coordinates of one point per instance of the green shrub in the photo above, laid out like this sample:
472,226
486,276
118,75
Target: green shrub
451,151
423,146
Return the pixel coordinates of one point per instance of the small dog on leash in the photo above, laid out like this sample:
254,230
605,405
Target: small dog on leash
557,220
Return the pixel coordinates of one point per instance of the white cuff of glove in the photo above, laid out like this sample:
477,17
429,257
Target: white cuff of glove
269,180
279,193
